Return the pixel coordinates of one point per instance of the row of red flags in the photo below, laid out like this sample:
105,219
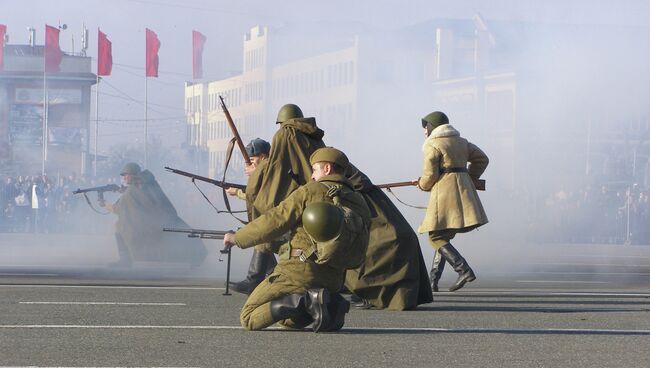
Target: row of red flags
53,55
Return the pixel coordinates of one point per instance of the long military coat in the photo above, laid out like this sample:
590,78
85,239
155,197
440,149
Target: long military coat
453,203
142,212
394,275
287,167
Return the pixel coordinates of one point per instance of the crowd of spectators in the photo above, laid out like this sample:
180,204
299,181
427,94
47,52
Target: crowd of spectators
611,213
46,204
42,204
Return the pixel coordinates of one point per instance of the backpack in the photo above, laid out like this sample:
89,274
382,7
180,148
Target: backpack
348,249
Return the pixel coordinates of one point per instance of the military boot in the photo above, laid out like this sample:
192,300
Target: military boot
259,267
465,273
316,302
308,309
337,308
291,307
436,270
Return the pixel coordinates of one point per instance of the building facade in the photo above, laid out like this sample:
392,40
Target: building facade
26,121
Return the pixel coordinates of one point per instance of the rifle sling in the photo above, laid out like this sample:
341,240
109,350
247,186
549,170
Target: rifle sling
231,146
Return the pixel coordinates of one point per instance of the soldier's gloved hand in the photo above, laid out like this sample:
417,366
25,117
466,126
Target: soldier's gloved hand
231,191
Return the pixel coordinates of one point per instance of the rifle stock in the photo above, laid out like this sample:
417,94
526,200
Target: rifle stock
235,133
221,184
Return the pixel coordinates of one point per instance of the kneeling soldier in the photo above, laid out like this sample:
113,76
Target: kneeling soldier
301,291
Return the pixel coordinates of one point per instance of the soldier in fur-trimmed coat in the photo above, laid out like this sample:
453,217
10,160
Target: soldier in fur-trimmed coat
454,206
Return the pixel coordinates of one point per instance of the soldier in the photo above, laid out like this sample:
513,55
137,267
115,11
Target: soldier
301,292
142,211
288,165
263,261
454,206
395,275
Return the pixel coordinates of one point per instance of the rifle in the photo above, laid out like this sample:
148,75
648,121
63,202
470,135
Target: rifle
100,191
397,184
208,234
222,184
235,133
479,184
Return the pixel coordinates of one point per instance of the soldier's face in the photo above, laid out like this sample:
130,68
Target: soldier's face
319,170
255,160
127,179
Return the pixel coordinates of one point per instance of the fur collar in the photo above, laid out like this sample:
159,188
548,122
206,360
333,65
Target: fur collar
441,131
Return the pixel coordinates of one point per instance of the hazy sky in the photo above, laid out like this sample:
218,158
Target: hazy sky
225,22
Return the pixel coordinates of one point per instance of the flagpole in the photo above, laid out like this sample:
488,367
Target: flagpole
96,124
145,121
44,135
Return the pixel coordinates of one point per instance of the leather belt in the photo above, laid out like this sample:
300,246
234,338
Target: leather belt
448,170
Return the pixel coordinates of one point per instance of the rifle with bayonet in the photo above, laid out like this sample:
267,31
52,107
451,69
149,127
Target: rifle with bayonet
100,192
235,133
222,184
479,184
208,234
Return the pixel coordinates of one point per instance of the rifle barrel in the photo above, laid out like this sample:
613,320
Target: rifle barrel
397,184
235,133
222,184
198,233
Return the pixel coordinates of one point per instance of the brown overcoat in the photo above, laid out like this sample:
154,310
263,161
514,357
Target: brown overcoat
454,203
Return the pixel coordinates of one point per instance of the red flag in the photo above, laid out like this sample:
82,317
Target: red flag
3,30
153,45
104,54
198,40
52,52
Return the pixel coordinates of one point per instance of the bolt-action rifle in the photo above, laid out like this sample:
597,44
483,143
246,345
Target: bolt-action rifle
479,184
222,184
235,133
208,234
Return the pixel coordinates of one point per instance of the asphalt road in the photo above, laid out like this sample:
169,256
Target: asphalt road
50,321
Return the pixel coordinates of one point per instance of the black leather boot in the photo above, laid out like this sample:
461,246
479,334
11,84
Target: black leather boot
309,309
291,307
317,301
259,267
337,308
436,270
465,273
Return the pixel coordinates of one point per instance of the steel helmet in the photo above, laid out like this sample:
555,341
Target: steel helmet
435,119
289,111
131,169
322,221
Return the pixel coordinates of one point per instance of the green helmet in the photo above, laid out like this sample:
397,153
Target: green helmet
289,111
322,220
435,119
131,169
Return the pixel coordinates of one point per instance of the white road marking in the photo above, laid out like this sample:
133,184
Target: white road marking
112,287
562,282
544,294
106,303
353,329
